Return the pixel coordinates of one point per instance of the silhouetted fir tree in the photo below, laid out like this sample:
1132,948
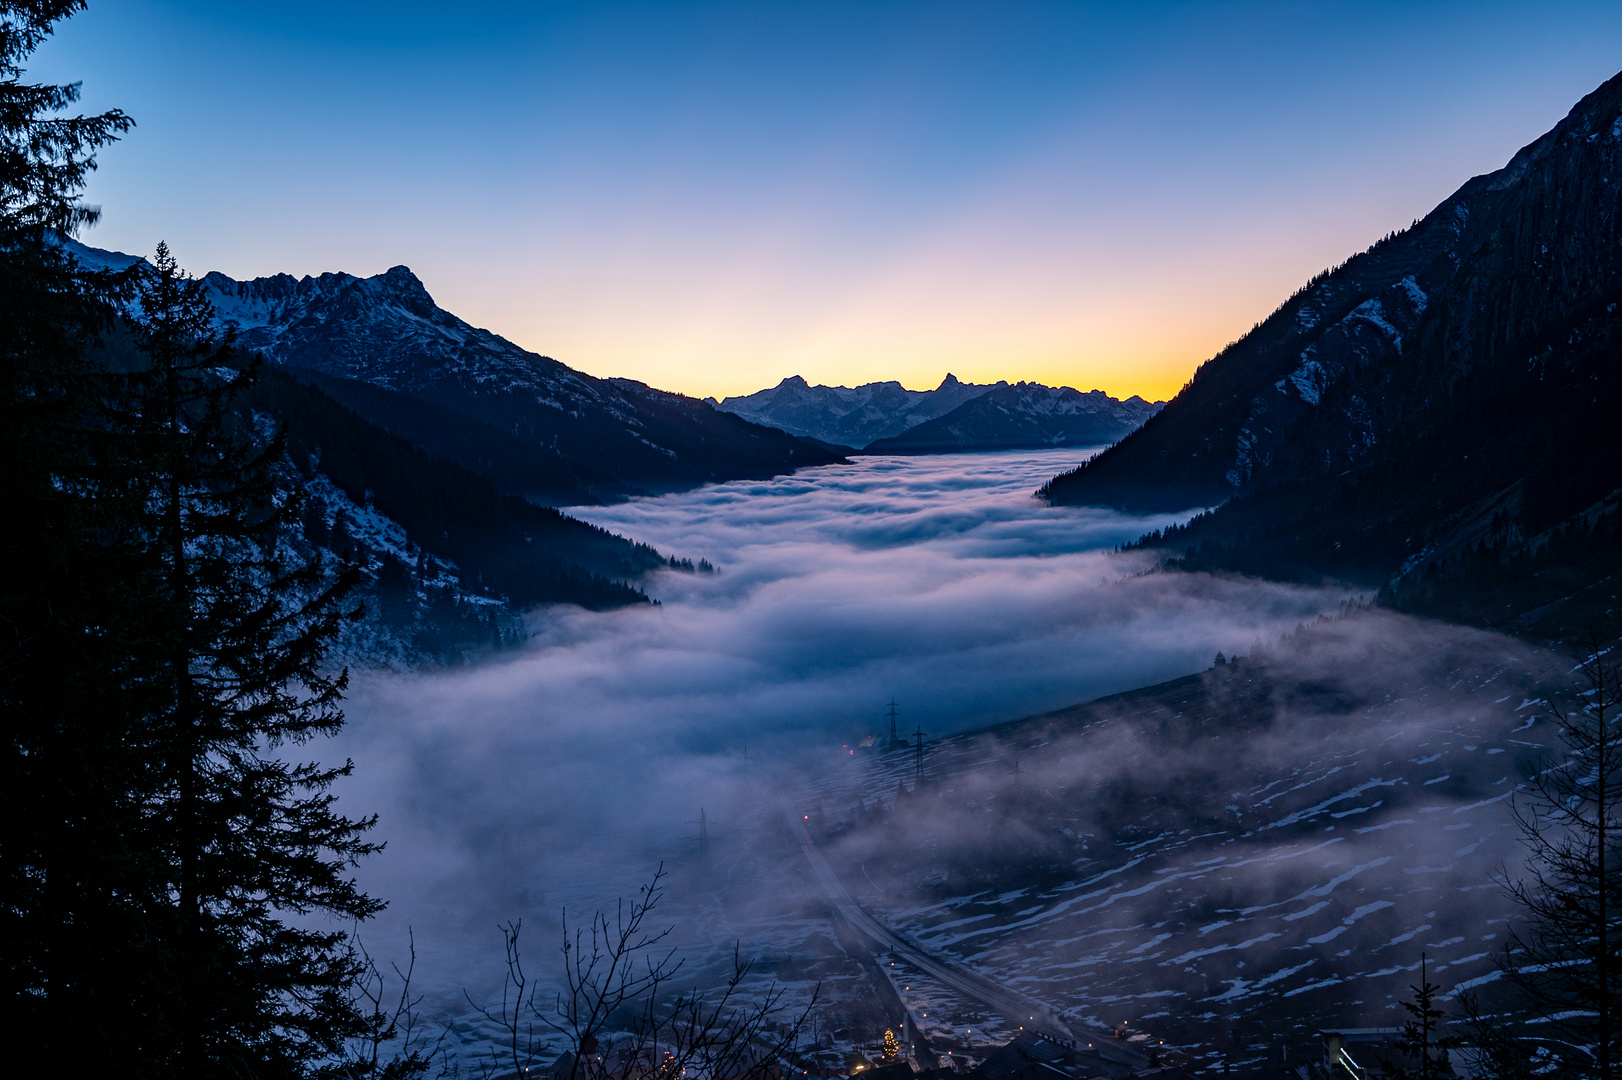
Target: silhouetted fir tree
1422,1041
235,631
1564,965
159,648
70,931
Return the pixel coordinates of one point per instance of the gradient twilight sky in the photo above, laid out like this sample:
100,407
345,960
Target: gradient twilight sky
712,196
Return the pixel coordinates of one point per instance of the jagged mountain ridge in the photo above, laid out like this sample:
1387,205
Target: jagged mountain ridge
1452,390
851,416
588,439
613,437
1021,416
885,417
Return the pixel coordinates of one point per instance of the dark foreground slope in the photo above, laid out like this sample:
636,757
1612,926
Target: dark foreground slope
1453,390
503,545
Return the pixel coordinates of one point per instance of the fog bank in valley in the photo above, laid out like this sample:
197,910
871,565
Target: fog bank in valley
561,773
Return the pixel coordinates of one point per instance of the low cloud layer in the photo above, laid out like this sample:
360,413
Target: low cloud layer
563,772
1233,862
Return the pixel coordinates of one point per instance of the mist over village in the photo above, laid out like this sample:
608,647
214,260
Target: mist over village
724,541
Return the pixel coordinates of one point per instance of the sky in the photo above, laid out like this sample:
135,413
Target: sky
710,197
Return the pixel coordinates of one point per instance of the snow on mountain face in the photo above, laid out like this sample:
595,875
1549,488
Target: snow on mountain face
1370,336
614,436
1271,844
851,415
386,330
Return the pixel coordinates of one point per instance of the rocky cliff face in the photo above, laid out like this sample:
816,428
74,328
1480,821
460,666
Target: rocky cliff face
601,437
851,416
1375,352
1024,416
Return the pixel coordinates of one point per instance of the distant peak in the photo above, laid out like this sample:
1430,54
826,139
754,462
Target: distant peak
794,381
950,380
404,286
401,277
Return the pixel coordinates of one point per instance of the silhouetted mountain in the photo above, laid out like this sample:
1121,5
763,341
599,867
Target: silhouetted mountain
447,561
515,466
1438,413
570,436
1023,416
850,415
515,550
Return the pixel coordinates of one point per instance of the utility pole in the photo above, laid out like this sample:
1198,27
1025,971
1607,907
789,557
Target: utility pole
894,713
919,782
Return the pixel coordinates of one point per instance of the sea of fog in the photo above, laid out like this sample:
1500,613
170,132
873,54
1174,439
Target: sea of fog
561,773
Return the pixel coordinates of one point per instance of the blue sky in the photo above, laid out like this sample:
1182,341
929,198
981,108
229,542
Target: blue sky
712,196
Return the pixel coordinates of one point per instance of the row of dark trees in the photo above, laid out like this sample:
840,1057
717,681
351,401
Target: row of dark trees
162,659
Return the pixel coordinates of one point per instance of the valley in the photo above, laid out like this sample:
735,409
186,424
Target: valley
389,700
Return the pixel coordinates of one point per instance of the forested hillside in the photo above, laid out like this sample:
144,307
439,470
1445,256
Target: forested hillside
529,554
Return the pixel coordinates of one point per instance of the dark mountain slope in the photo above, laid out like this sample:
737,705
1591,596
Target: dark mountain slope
1499,274
506,545
1023,416
514,466
572,435
1453,390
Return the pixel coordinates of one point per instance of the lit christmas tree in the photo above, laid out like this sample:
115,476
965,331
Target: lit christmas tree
891,1046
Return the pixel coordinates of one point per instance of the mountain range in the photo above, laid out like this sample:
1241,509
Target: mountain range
534,426
585,438
887,418
1436,417
438,508
1021,416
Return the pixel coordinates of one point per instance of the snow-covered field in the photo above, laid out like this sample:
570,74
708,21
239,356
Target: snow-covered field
1257,853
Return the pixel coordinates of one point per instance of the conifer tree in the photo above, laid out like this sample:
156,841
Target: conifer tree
70,926
1563,966
1422,1041
232,680
161,648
